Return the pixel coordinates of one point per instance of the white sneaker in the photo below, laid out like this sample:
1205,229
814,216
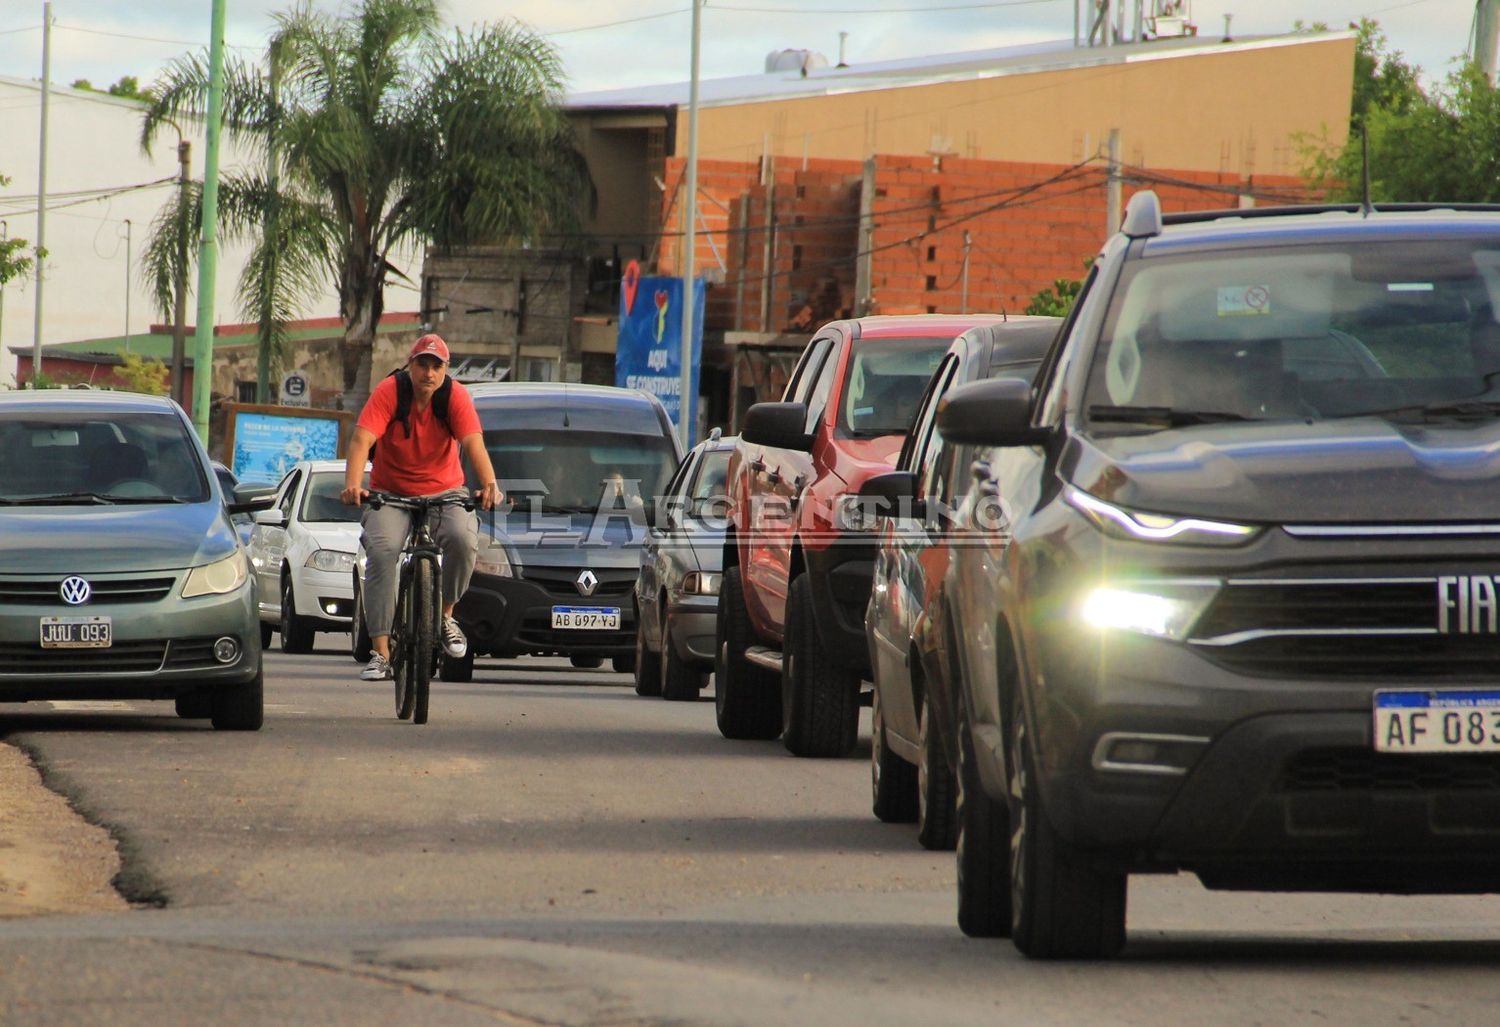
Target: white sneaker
378,669
454,642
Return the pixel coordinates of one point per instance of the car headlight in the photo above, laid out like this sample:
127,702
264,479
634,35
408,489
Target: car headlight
1147,527
330,560
218,578
701,583
854,513
495,561
1161,609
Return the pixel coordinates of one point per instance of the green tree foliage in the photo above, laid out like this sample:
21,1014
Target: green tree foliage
1058,300
128,87
1438,145
13,262
380,131
150,377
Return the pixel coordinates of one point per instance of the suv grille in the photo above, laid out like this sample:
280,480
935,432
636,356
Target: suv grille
1362,770
120,658
1345,628
561,582
45,591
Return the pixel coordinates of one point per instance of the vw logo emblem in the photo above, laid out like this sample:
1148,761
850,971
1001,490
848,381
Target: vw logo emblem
586,582
75,591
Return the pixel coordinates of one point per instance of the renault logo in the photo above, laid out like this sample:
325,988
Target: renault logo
586,582
75,591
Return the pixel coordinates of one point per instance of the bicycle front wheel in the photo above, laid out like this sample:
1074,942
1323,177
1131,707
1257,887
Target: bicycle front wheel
401,646
423,635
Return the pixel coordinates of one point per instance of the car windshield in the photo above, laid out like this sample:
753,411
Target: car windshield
321,503
1401,329
98,458
884,382
578,471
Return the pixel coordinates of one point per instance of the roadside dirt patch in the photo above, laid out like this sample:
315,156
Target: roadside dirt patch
51,859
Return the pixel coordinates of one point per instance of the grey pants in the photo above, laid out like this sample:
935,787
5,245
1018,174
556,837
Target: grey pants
385,530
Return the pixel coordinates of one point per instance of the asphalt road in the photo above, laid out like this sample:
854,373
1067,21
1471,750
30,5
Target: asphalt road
551,848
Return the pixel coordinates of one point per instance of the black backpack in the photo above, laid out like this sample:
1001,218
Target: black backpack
440,399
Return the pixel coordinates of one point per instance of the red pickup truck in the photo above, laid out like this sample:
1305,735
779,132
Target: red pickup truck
799,550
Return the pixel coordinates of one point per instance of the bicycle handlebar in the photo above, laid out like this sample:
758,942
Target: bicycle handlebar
416,504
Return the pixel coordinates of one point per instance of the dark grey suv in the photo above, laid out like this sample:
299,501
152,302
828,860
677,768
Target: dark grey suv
1227,601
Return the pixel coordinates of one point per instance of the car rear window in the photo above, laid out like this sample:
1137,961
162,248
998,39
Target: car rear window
73,458
321,504
1304,331
884,383
576,471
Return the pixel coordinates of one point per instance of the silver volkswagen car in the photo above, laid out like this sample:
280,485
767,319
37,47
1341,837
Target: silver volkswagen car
121,574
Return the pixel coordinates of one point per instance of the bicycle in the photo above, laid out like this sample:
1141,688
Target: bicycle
415,634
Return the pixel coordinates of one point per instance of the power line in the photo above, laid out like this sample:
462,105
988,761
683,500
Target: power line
804,12
145,39
620,21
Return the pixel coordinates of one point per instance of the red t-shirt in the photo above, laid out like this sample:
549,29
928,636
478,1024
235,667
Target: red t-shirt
427,463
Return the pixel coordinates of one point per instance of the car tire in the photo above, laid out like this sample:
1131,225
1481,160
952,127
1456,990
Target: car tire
194,705
296,632
819,698
680,680
1062,907
983,840
747,698
647,664
622,664
359,632
937,813
240,707
893,781
457,669
266,631
586,662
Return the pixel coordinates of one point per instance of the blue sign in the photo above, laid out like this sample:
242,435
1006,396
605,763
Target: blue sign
648,353
267,445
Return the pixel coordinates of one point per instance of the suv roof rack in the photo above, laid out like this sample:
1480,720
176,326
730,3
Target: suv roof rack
1199,216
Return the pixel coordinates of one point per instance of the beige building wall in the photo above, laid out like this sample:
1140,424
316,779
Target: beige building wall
1238,109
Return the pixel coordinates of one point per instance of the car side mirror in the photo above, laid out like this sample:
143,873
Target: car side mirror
270,518
251,506
996,412
778,425
893,494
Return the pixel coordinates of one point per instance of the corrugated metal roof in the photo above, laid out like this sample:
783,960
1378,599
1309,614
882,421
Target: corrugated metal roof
1027,59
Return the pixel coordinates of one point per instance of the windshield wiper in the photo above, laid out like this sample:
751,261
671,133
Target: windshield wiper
65,498
146,499
1470,409
1167,417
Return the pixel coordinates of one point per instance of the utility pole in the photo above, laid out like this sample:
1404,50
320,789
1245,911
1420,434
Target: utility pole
266,329
127,285
687,402
1486,41
1112,207
179,285
963,303
41,196
4,236
208,249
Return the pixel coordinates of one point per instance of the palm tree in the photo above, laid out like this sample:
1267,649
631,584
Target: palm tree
378,131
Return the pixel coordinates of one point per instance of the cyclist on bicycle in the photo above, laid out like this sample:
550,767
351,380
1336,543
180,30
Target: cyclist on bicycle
416,456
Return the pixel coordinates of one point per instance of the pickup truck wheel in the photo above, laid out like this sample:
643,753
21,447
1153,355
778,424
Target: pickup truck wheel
893,781
937,819
680,680
747,701
647,664
983,853
819,698
1062,907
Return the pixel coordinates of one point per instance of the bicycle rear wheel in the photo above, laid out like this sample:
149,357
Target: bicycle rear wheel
401,646
423,637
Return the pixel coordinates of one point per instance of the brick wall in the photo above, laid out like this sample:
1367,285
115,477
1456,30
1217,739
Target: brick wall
1027,225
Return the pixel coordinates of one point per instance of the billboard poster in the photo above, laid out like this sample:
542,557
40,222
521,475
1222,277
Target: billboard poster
264,442
648,353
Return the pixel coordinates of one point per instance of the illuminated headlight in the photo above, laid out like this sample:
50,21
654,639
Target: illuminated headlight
330,560
701,583
1146,527
854,513
494,561
215,579
1159,609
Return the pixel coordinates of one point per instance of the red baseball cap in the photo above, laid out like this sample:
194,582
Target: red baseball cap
429,346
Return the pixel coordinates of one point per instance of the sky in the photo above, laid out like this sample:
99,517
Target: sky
608,44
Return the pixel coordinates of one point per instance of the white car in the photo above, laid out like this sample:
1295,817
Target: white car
302,553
